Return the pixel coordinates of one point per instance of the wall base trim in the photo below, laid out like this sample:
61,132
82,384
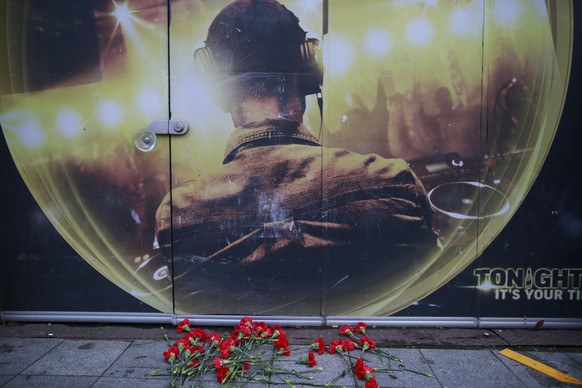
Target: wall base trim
307,321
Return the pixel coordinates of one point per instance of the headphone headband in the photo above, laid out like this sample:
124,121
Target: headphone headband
310,68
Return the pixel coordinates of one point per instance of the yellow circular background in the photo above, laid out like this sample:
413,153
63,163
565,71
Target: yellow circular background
73,141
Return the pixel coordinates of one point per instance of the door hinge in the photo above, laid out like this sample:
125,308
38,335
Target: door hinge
169,127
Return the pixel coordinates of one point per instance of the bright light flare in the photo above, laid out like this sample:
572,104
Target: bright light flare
69,123
506,12
419,32
32,134
110,113
466,22
377,42
349,100
149,101
122,13
340,56
127,21
486,286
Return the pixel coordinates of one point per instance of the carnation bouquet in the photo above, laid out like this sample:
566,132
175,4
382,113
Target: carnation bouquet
255,352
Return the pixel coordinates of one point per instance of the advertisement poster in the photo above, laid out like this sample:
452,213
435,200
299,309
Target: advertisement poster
302,158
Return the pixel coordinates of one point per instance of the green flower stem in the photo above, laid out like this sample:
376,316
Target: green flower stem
342,374
386,354
415,371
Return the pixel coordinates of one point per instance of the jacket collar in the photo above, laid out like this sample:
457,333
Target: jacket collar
268,132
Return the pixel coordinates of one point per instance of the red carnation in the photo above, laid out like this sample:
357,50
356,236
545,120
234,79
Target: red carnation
240,332
348,345
308,360
171,354
318,345
266,333
183,326
371,383
277,331
311,359
361,327
336,346
246,321
367,343
221,374
198,335
261,329
362,371
182,344
246,330
346,330
226,347
217,362
283,345
214,338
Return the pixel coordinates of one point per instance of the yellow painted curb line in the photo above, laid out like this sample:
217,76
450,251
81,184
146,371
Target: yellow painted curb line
545,369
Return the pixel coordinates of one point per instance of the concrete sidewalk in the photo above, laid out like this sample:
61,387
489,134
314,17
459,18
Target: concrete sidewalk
60,355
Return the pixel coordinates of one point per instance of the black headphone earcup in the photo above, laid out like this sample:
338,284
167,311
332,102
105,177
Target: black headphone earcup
205,65
311,62
204,60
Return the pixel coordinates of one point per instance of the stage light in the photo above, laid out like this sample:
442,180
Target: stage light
126,19
506,12
377,42
69,123
32,134
466,22
349,100
340,56
149,101
110,113
419,32
122,13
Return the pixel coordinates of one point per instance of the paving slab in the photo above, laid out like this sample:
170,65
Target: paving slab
107,382
564,362
51,381
570,363
469,368
264,352
412,359
17,354
329,367
4,379
78,358
138,360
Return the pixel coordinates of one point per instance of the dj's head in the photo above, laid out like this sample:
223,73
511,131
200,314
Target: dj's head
258,47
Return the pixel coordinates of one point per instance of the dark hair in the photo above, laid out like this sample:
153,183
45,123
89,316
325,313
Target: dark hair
250,36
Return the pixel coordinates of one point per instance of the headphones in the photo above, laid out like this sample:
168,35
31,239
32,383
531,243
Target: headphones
310,68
